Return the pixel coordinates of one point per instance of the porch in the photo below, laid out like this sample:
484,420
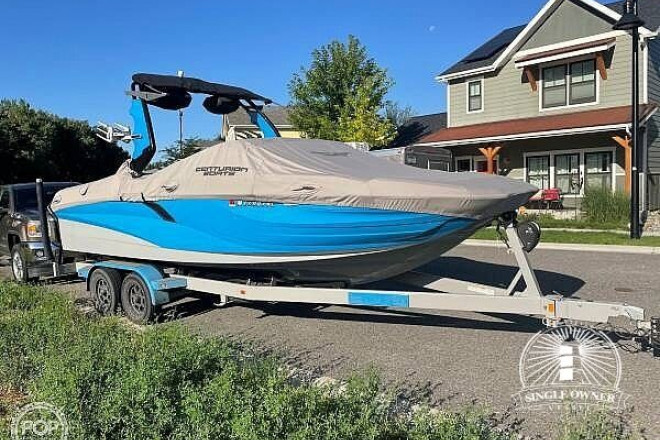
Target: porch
565,154
569,164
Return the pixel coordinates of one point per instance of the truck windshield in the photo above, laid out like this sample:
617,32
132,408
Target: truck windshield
25,198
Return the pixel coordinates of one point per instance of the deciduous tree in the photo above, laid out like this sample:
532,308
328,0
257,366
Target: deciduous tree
35,143
341,95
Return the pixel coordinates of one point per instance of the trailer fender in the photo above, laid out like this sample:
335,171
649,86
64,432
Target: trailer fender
158,284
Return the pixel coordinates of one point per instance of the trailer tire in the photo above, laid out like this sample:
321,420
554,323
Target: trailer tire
136,300
104,285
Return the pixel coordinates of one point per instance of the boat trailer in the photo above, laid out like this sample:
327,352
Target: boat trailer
152,286
141,288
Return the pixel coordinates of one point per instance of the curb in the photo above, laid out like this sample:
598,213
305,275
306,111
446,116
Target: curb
641,250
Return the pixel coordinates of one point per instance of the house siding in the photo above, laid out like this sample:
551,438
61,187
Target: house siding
569,21
508,95
654,96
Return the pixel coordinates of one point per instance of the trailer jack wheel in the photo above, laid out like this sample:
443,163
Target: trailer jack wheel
135,300
104,285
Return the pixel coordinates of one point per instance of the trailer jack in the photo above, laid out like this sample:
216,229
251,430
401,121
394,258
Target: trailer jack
654,336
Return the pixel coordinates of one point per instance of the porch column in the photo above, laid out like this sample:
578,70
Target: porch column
490,153
625,144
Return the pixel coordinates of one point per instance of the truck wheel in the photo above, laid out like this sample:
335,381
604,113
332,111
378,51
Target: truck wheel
104,285
136,300
19,269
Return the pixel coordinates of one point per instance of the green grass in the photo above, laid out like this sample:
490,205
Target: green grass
578,237
162,382
548,221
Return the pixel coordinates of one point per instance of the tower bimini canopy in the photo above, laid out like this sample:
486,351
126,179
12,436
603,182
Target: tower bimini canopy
171,92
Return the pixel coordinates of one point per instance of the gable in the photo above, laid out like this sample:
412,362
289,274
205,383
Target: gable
569,21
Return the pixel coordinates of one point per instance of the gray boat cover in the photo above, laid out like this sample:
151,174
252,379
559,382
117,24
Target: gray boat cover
307,172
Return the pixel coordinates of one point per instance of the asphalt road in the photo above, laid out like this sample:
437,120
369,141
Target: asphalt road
455,359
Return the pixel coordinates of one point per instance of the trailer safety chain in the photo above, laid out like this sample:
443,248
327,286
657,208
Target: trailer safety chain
502,236
630,341
500,229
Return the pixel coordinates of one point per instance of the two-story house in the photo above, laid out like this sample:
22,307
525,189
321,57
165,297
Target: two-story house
237,125
550,101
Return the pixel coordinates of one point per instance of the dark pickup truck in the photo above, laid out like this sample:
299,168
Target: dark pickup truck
20,229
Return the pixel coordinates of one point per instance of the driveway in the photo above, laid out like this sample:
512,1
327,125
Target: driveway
453,358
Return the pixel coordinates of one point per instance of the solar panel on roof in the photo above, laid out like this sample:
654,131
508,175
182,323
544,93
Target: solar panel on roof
494,45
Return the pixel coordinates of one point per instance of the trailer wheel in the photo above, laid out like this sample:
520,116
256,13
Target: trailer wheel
135,300
104,285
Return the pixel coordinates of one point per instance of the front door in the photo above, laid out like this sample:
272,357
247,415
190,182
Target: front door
567,173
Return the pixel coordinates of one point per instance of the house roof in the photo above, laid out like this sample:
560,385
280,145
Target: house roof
417,127
489,52
608,118
278,114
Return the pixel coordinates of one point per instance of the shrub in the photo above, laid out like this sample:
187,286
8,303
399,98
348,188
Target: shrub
604,206
597,425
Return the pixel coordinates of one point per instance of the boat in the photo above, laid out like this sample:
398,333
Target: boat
295,210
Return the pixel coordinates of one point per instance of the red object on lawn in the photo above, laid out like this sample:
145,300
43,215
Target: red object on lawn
552,197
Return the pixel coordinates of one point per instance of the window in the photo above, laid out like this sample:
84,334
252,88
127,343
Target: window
571,84
442,165
583,82
554,86
463,165
598,170
538,171
567,173
475,96
25,198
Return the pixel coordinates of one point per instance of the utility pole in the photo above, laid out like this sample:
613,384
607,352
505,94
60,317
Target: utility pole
630,21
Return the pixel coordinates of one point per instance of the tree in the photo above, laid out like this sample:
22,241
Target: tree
179,150
35,143
341,96
398,115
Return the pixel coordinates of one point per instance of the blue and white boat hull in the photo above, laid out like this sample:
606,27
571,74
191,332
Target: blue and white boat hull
291,241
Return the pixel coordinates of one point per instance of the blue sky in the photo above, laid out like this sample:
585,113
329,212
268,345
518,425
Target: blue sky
75,58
